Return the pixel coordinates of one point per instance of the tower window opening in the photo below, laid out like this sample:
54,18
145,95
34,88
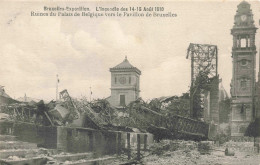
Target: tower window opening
129,80
243,43
237,43
115,80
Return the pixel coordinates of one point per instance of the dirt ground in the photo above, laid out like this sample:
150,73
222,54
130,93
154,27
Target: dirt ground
194,157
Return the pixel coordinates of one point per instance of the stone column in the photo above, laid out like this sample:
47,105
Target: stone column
62,139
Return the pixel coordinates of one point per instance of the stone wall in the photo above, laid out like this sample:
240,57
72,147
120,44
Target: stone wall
97,141
28,132
86,140
73,140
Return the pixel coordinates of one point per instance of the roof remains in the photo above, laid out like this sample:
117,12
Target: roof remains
125,66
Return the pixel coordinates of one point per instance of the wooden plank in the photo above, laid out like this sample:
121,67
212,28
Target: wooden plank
48,117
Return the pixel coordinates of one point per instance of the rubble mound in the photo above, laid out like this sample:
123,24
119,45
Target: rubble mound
174,152
172,145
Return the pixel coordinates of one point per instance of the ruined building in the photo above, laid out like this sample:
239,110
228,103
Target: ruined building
204,91
243,76
125,84
257,105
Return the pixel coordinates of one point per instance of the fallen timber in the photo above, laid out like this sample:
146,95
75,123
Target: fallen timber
64,112
168,126
163,127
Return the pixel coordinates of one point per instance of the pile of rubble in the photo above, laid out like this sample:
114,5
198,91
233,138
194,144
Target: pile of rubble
173,152
247,146
172,145
97,114
179,152
155,117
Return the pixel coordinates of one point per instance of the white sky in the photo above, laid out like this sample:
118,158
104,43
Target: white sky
81,50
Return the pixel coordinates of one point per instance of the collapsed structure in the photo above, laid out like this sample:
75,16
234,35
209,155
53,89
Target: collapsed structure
161,120
204,89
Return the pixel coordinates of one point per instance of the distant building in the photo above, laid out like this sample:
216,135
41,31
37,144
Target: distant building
125,84
2,92
243,77
222,92
5,98
224,104
27,99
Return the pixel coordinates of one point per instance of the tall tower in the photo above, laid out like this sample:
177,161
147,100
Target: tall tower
243,76
125,84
